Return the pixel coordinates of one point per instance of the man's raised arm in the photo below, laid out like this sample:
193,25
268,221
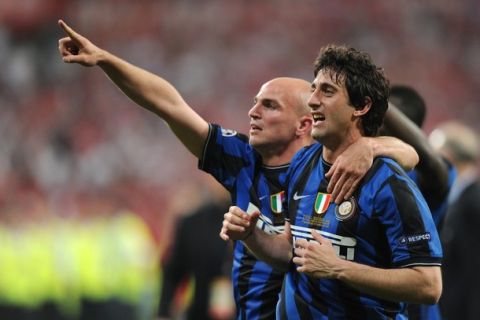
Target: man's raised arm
144,88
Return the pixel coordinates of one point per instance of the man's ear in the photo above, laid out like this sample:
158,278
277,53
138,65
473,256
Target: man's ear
367,103
304,125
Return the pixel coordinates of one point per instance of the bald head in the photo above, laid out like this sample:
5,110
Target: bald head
293,92
280,119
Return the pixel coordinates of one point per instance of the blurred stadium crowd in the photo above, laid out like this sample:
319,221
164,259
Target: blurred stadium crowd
103,268
73,147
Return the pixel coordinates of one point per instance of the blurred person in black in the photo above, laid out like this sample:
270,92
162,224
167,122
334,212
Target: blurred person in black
251,168
198,252
434,175
460,234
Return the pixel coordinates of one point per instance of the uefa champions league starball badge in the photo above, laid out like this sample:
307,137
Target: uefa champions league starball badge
228,132
346,209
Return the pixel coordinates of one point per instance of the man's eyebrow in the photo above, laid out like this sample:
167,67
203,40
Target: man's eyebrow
326,84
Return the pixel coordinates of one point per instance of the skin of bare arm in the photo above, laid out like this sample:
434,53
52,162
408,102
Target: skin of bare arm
144,88
417,285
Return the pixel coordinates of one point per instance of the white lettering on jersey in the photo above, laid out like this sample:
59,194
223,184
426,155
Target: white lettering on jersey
344,246
264,223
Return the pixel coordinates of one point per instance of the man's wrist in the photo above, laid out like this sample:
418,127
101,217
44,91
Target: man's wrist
248,235
372,144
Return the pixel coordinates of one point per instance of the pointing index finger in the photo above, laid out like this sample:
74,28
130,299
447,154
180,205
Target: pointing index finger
69,31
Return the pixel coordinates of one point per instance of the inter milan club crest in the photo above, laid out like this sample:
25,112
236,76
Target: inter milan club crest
276,201
322,202
346,209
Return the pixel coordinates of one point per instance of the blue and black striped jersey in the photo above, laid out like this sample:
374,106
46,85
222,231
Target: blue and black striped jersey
386,224
237,166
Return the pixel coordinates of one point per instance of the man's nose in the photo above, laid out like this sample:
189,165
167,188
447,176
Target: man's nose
313,102
253,112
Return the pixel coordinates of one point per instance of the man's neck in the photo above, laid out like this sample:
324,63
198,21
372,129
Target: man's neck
331,154
275,158
333,149
278,159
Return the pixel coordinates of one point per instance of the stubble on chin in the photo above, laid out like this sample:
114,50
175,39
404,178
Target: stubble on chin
317,135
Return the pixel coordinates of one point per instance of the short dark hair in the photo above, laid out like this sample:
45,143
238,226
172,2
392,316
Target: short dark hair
409,101
362,79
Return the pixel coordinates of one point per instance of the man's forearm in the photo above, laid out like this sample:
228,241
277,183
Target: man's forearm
417,285
396,149
146,89
276,250
143,87
159,96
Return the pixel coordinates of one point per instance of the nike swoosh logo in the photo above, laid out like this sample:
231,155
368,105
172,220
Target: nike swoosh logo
297,197
262,197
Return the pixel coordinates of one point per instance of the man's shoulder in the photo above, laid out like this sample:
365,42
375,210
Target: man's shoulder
382,169
229,140
218,130
226,153
388,165
307,152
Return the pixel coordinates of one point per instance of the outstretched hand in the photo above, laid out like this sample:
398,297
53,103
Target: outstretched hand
76,48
